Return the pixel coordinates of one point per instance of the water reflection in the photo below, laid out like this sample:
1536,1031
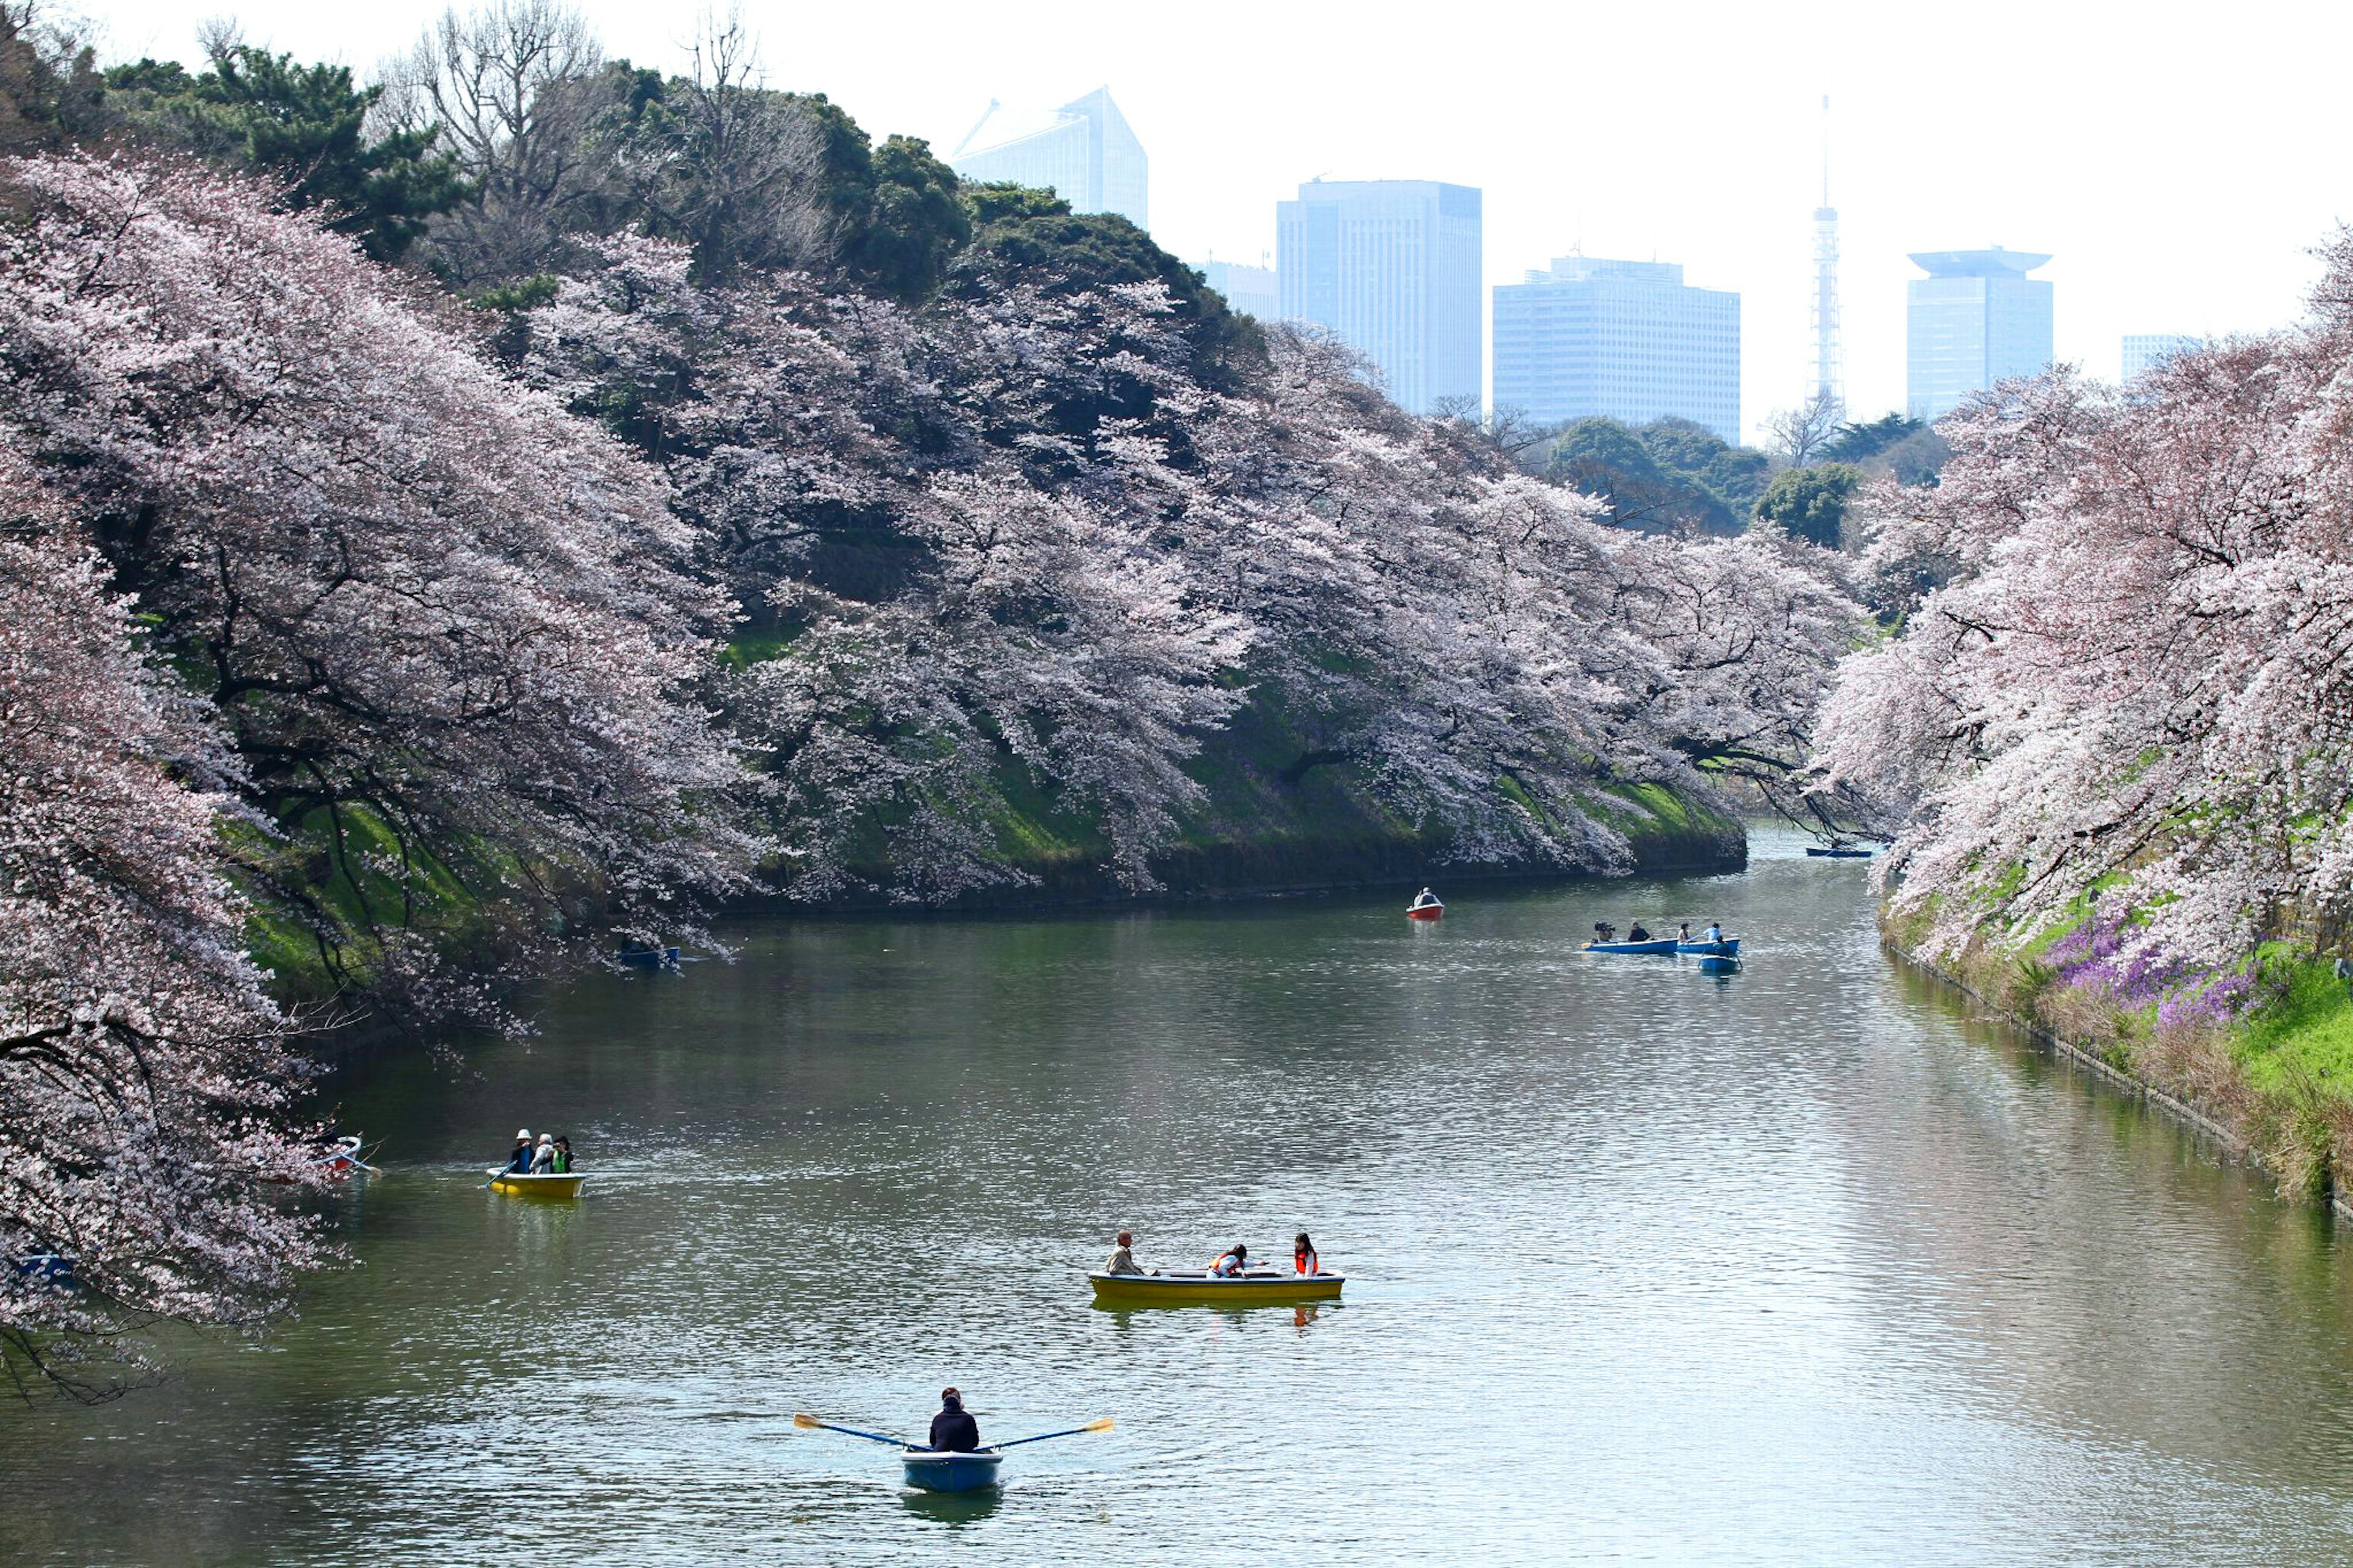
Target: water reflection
953,1508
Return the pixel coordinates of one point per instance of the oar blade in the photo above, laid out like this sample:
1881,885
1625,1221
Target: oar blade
801,1418
1102,1425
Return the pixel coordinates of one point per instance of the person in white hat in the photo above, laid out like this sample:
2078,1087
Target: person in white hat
543,1159
519,1162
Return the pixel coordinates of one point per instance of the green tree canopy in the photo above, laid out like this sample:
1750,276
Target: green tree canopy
306,124
1860,442
1810,504
1671,473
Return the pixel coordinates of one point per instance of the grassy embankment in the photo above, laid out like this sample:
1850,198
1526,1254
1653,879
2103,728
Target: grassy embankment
2277,1073
1260,829
1263,830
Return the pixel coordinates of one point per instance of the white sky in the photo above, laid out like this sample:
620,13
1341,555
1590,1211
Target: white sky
2179,163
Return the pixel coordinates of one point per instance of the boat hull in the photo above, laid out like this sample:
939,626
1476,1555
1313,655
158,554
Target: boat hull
1820,854
1427,913
1728,948
1201,1290
543,1187
940,1472
1719,963
1667,946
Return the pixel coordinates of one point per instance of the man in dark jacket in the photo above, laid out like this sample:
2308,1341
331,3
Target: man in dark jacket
953,1430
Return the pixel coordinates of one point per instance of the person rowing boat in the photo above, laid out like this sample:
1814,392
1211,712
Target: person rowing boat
954,1431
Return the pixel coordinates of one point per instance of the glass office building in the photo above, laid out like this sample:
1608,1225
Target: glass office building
1976,319
1392,266
1624,339
1083,151
1253,290
2146,351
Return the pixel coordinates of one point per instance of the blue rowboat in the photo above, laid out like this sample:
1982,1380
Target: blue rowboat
1666,946
1719,963
1838,852
934,1471
1728,948
650,957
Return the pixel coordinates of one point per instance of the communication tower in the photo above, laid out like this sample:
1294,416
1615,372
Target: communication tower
1830,381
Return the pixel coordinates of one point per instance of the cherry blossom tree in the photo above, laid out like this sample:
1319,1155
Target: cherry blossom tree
451,630
1016,531
2125,668
144,1079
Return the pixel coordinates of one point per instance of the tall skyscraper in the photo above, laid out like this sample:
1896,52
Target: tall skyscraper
1626,340
2146,351
1083,152
1391,266
1830,370
1975,319
1253,290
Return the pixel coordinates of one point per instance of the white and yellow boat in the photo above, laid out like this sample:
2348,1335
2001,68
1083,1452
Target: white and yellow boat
545,1186
1264,1288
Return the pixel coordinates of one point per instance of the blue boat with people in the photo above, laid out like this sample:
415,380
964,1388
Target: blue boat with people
1638,941
952,1458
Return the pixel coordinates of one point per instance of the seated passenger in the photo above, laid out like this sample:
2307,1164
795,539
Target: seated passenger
1123,1256
1302,1256
562,1155
1715,931
543,1159
1636,933
1229,1264
954,1431
1682,931
519,1162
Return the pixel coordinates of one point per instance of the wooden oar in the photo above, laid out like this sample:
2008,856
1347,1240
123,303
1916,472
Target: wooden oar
1102,1425
815,1425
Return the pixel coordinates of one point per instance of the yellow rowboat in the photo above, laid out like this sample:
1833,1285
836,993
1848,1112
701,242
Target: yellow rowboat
1265,1289
540,1187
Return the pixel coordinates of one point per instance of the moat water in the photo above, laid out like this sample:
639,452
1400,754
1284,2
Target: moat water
1800,1265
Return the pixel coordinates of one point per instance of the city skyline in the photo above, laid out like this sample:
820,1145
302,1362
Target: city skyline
1715,165
1394,267
1977,320
1628,341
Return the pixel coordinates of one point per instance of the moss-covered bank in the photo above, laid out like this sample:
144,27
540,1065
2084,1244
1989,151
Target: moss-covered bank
2271,1081
1270,825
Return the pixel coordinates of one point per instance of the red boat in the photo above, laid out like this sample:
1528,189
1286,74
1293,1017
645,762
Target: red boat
1425,907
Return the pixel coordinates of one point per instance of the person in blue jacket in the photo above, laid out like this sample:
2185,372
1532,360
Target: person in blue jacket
954,1431
519,1163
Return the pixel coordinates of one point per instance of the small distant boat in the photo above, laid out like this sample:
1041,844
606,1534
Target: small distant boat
650,957
1425,907
1842,850
345,1159
1728,948
44,1268
1719,963
934,1470
1665,945
1263,1288
545,1186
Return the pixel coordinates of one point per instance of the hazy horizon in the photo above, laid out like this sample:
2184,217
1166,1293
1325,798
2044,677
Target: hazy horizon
1691,137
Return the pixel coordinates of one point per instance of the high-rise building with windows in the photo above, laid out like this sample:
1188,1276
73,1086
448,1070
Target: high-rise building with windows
1976,319
1624,339
1253,290
1392,266
2146,351
1083,151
